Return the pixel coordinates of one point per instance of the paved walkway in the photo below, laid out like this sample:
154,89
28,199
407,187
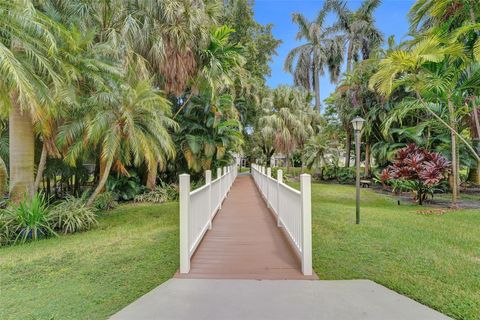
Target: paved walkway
192,299
245,242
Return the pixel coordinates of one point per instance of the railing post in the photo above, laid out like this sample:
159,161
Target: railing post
269,174
184,229
279,208
225,184
262,184
219,175
208,181
306,190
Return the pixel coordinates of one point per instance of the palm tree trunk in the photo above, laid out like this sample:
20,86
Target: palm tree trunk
472,12
101,172
152,176
22,150
316,85
474,171
41,167
367,159
349,57
48,187
288,163
101,184
3,178
454,180
348,149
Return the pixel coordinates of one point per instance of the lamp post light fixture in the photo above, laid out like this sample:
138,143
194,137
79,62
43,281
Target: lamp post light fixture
357,124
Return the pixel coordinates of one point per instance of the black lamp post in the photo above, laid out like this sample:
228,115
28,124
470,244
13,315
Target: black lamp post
357,124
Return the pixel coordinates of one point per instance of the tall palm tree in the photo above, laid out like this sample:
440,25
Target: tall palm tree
358,27
210,120
321,50
129,125
29,70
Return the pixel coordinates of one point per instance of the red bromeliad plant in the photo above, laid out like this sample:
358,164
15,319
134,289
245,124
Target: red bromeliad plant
420,169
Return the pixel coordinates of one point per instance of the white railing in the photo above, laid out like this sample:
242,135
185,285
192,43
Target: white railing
292,208
199,207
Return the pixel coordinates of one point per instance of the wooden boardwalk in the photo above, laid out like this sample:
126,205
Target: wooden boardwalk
245,242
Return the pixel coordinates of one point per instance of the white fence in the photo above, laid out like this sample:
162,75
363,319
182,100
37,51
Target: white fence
292,208
198,208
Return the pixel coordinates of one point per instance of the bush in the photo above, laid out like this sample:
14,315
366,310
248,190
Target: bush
422,171
106,201
346,175
162,193
125,187
6,224
73,215
29,220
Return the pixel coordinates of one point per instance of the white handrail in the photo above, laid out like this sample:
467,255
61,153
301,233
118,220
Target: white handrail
199,207
292,208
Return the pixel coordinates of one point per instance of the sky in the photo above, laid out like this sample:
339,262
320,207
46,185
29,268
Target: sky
391,19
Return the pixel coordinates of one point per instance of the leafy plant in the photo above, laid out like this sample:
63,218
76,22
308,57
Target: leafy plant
6,224
29,220
126,187
346,175
162,193
106,201
420,170
73,215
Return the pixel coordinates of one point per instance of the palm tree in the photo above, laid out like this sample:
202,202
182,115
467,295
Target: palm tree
435,70
29,71
358,27
128,125
427,13
289,114
320,51
210,131
210,121
315,151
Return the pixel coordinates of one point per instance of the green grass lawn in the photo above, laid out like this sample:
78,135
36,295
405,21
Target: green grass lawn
432,259
243,169
91,275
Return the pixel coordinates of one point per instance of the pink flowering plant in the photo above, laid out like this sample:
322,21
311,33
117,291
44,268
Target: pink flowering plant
419,170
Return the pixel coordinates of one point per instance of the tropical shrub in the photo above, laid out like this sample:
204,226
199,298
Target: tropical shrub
126,187
6,224
106,201
162,193
341,174
346,175
29,220
421,170
73,215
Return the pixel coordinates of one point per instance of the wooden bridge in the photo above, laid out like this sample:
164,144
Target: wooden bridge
239,236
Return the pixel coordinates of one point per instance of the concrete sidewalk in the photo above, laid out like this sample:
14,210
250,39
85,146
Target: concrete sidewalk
276,300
